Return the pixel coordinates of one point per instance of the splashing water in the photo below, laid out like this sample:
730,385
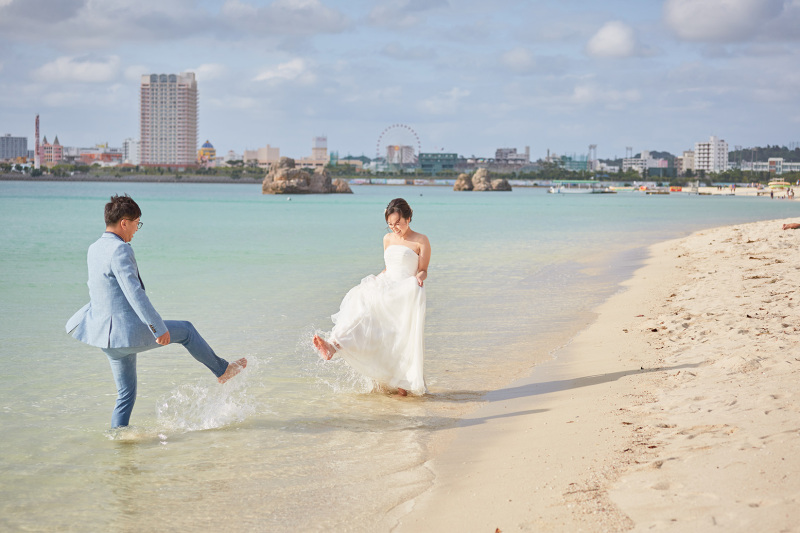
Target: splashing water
335,374
194,407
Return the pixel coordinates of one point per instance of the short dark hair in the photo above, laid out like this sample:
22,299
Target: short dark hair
121,207
398,205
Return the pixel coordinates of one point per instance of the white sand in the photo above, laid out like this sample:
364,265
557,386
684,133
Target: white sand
692,427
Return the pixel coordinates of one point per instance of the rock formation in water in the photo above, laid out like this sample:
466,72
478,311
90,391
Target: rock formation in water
463,183
501,184
480,182
284,178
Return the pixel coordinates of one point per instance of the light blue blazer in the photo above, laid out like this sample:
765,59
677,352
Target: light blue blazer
119,313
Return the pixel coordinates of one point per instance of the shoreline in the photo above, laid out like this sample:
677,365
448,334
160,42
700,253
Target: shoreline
170,178
136,178
653,415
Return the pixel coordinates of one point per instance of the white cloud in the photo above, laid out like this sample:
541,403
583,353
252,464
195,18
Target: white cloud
98,96
374,97
519,60
408,53
445,103
135,72
235,102
238,9
402,13
719,20
77,69
210,71
285,17
614,39
588,93
294,70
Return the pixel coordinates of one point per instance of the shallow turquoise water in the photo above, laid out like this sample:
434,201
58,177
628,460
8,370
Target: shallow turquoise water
293,443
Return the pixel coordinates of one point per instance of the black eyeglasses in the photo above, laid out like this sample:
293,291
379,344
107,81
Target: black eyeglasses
139,225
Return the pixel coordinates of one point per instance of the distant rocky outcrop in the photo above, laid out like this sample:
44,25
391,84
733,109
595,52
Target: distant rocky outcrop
501,184
463,183
286,179
480,182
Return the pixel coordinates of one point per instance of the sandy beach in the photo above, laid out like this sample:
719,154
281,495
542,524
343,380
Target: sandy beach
675,410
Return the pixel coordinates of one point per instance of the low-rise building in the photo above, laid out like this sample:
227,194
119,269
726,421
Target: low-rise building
356,163
233,157
101,154
207,154
52,153
642,163
684,162
262,157
600,166
434,163
319,155
775,165
509,156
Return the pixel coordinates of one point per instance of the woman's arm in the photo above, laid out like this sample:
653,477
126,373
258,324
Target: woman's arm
424,259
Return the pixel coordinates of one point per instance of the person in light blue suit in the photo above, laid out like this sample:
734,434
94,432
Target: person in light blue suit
119,318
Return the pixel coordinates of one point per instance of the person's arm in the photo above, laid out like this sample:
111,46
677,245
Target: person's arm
424,260
385,245
123,265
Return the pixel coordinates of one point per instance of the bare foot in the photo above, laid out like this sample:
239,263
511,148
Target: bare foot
402,392
233,369
325,349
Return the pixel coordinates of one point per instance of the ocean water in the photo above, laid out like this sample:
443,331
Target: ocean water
293,443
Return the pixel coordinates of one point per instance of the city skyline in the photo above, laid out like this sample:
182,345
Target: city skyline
467,77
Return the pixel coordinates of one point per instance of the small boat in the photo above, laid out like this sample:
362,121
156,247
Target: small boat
779,184
580,189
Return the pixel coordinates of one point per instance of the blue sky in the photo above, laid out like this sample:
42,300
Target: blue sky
468,76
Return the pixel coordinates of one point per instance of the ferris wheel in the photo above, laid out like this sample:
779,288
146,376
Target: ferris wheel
399,145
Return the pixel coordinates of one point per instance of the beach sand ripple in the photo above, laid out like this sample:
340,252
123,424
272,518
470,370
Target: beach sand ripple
675,410
725,433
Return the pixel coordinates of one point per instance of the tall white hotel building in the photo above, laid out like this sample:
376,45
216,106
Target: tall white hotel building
711,156
168,119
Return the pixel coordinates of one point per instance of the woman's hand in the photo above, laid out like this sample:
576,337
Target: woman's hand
421,275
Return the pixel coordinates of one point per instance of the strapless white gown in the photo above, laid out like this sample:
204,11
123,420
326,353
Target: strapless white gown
381,324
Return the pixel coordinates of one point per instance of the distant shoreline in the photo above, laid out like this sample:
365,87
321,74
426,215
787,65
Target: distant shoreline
166,178
134,178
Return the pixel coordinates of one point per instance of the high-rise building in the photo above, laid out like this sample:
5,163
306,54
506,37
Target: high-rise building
168,119
400,154
711,156
131,152
13,147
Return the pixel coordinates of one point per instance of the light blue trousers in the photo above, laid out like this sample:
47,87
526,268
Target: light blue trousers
123,365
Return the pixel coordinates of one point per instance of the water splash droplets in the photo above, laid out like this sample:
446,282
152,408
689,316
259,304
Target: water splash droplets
199,406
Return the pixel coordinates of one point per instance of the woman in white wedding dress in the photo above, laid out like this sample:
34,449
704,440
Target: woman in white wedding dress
380,325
